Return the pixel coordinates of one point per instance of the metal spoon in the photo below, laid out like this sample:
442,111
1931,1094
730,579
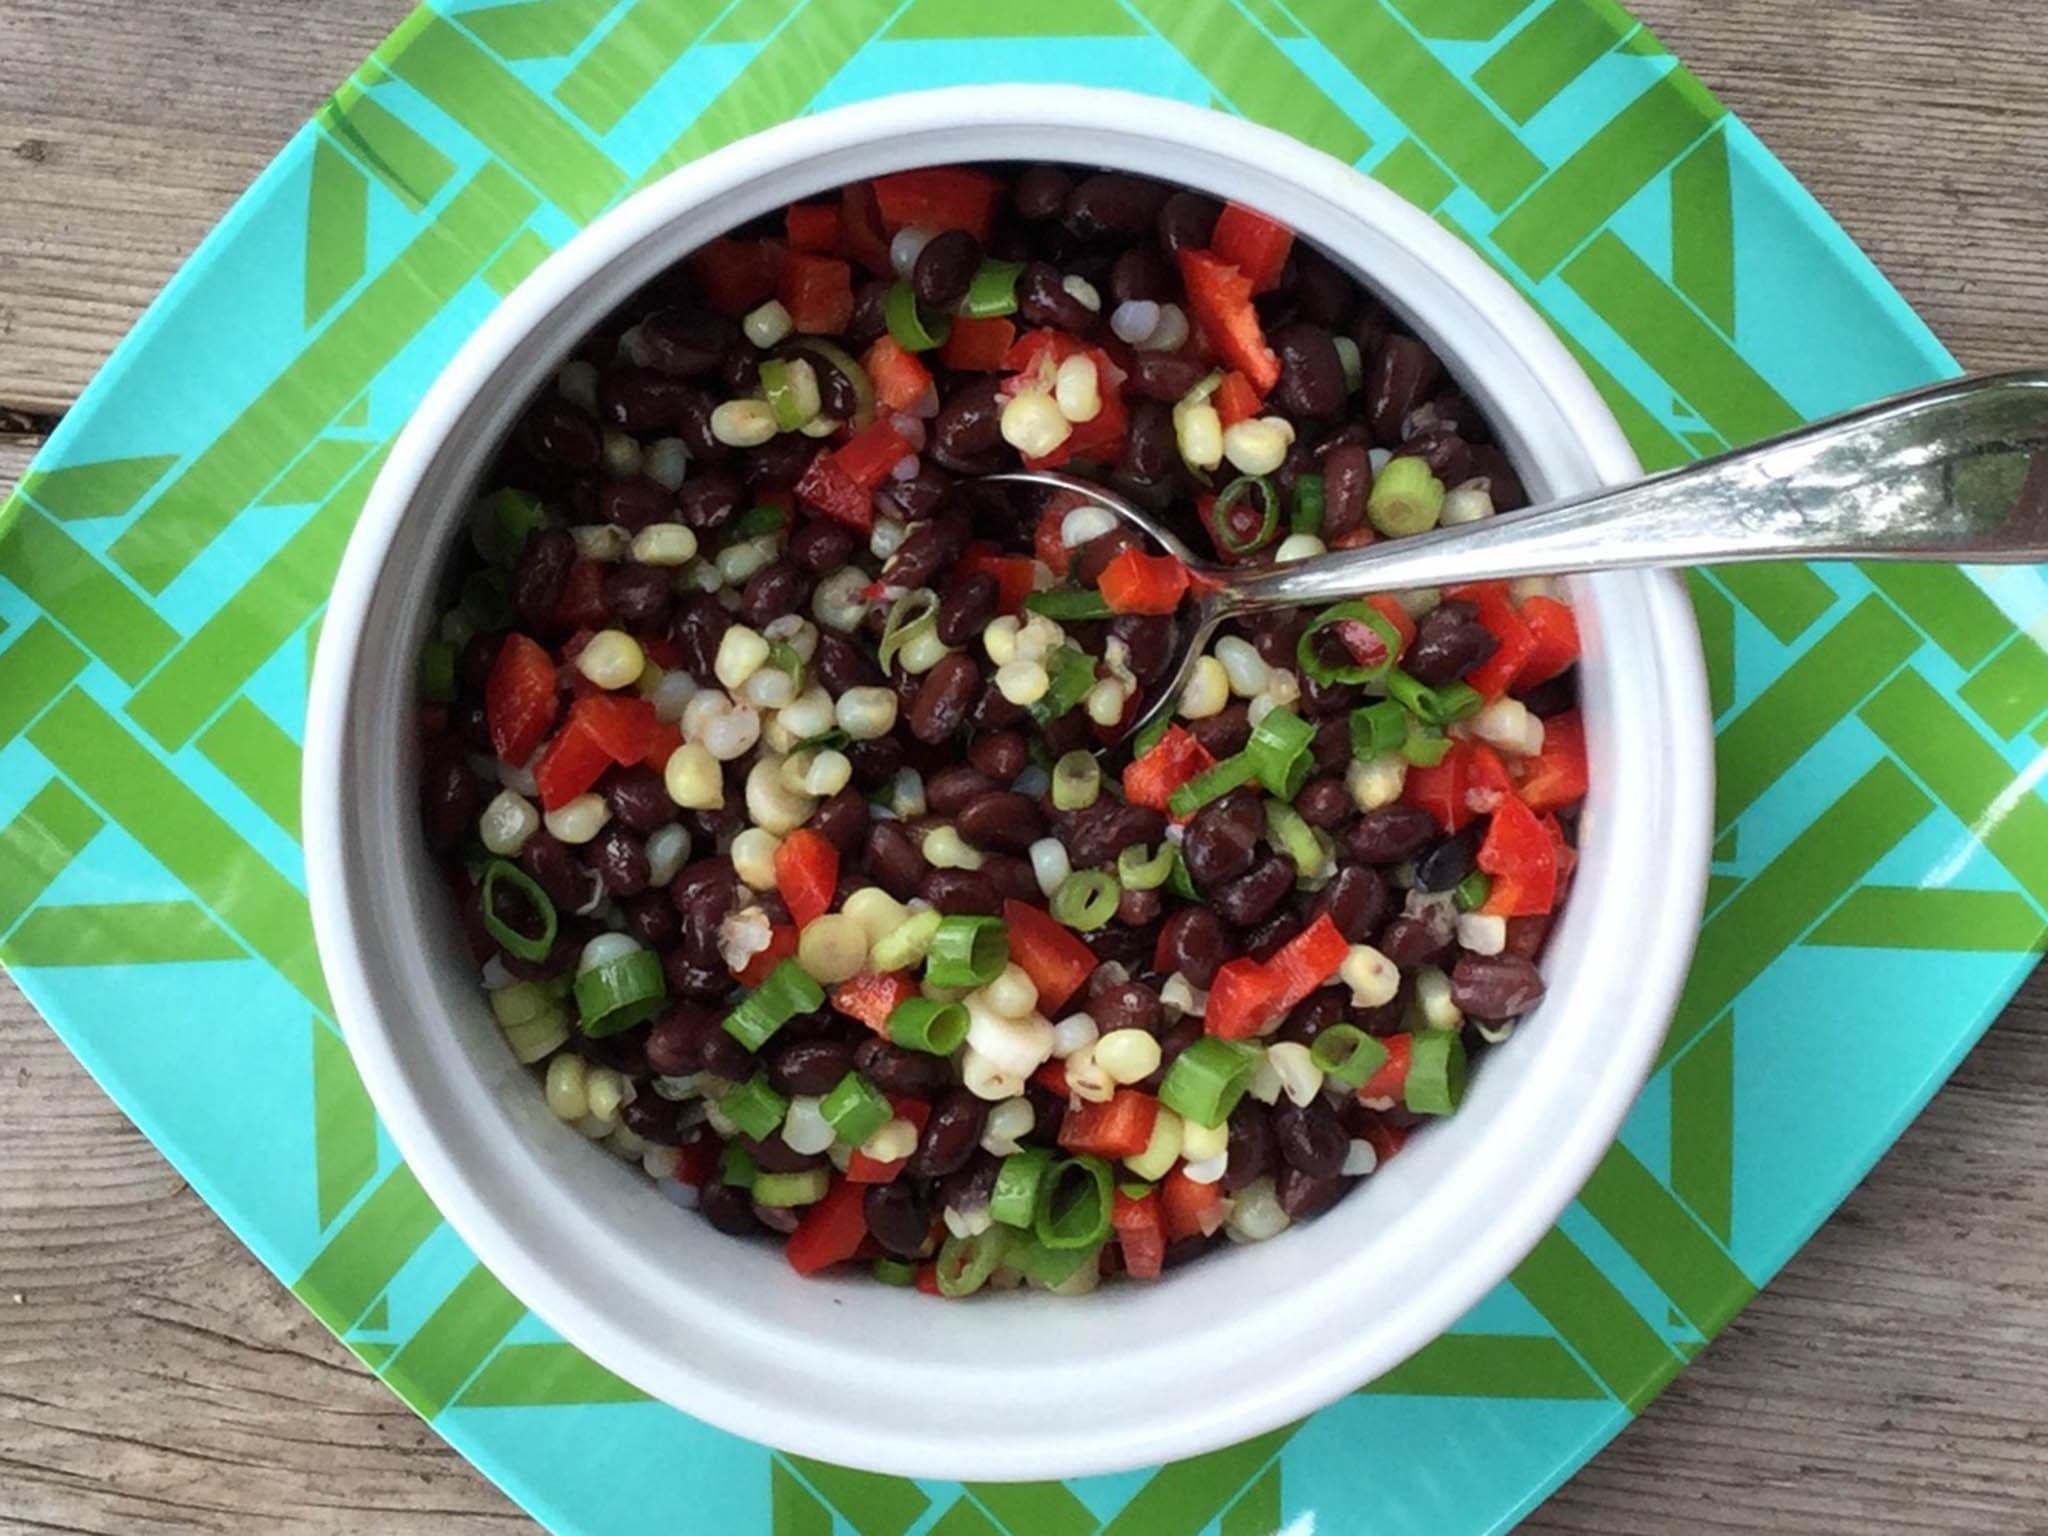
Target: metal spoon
1958,472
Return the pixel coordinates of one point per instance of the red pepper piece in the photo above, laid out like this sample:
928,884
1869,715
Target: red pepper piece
937,198
900,379
1175,758
520,702
807,875
1052,1077
1188,1209
1441,790
830,490
829,1232
818,293
1235,399
1392,1076
812,227
1135,582
1365,644
862,1169
697,1161
1256,245
861,236
1045,540
871,997
1556,777
1055,958
1556,632
1244,1000
1013,574
601,730
1519,855
736,275
667,737
1494,676
1120,1127
977,346
1308,960
1221,297
781,947
1140,1234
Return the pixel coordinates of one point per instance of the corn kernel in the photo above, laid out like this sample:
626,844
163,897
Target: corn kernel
1300,1078
507,822
1259,446
809,714
1013,994
1482,933
771,803
1077,389
1207,690
1376,781
1203,1141
1106,700
1127,1055
1371,976
894,1141
1245,668
664,544
832,948
1032,424
999,639
743,423
741,653
1433,999
611,659
877,912
982,1078
566,1090
580,820
944,849
1023,683
866,713
693,778
837,604
753,857
1198,431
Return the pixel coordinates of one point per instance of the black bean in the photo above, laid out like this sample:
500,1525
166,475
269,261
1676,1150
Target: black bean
1390,834
634,503
700,628
686,342
1088,561
893,859
1252,896
1442,865
1149,639
1554,695
1112,206
1399,375
774,1155
875,762
704,894
554,868
1150,452
653,1119
651,919
1449,642
1271,936
1505,484
709,500
944,269
1187,220
555,432
730,1210
922,494
1302,1195
1448,456
1042,299
540,575
1310,1137
1001,822
1220,840
1105,829
773,592
1224,733
638,596
1322,293
620,859
1500,986
820,545
842,820
1164,376
966,610
1013,877
1125,1005
993,712
1195,943
448,794
927,549
901,1073
809,1066
962,892
1410,941
897,1218
840,664
637,399
1347,485
693,425
967,434
948,790
739,371
943,701
1002,755
1356,899
1141,273
1251,1152
950,1135
1311,374
675,1046
1323,802
1041,191
778,463
969,1189
1314,1014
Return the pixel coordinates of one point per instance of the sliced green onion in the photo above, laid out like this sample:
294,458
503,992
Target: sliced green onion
1135,872
1076,781
534,1021
855,1109
894,1272
782,657
780,391
850,370
1015,1200
965,1263
1413,695
1406,498
1279,750
1180,882
755,1107
1293,836
1086,899
1436,1072
437,671
787,992
526,946
1308,505
1347,1054
1212,784
502,522
1226,502
906,944
1052,1267
1134,1189
787,1189
1152,735
1208,1078
1456,701
1378,728
1073,674
1074,1204
925,1024
1472,891
1310,657
736,1166
909,616
1202,391
912,332
1075,604
1425,746
486,601
457,628
993,290
830,741
620,992
755,521
967,952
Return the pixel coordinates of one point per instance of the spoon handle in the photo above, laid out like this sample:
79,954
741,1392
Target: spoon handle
1958,472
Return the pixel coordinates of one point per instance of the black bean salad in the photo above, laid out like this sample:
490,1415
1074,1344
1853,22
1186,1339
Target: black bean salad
777,768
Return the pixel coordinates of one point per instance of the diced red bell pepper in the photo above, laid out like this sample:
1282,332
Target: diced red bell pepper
1175,758
520,702
1244,1000
667,737
1487,782
861,236
1235,399
1055,958
1036,354
581,605
831,1231
862,1169
1365,644
1034,360
1392,1075
1045,540
807,874
1221,297
1441,790
781,947
1556,777
736,275
697,1161
1256,245
1140,1234
1518,854
900,379
813,227
937,198
1308,960
1556,632
1188,1209
1012,573
869,455
1119,1127
1497,673
872,996
1386,1140
928,1278
601,730
977,346
840,482
818,293
1567,856
1135,582
1052,1077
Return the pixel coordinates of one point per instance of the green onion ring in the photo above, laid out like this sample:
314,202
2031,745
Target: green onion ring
1355,671
912,614
1226,502
510,939
1086,899
908,326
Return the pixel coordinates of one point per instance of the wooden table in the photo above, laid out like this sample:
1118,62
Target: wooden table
153,1374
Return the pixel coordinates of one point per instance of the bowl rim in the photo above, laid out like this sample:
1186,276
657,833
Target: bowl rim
903,121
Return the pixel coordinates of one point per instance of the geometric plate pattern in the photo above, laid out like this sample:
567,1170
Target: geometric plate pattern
164,565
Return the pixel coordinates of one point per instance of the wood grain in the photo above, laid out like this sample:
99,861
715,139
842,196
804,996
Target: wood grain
153,1375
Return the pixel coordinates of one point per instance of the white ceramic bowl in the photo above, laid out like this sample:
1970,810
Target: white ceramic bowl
1020,1385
